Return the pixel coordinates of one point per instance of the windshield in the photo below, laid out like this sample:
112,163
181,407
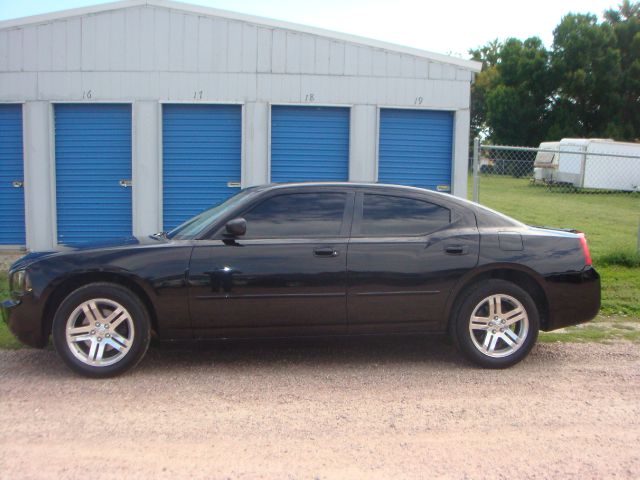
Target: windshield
196,225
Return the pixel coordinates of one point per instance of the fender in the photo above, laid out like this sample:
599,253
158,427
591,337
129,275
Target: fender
110,271
482,271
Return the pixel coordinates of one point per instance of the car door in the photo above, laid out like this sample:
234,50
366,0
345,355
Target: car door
286,275
405,256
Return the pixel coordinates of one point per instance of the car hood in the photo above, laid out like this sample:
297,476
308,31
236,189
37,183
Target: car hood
108,244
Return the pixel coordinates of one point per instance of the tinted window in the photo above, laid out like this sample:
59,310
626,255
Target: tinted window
392,216
297,215
196,225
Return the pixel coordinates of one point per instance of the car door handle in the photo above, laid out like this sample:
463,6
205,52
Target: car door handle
455,249
325,252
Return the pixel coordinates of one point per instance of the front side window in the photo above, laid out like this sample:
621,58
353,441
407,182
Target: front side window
389,216
297,215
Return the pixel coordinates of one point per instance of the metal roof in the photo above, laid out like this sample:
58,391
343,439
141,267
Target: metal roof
213,12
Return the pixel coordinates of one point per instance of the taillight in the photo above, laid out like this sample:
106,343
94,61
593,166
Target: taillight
585,249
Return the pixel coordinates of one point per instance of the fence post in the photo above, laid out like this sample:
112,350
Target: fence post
638,238
476,169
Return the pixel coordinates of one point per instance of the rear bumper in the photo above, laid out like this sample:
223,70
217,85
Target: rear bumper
24,321
573,298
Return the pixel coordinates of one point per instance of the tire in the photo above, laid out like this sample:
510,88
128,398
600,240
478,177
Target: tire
496,324
101,330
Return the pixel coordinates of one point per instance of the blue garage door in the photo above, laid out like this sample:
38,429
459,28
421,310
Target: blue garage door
93,172
309,144
416,148
201,146
11,176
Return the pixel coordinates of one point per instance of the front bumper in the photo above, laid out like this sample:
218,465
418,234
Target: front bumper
24,321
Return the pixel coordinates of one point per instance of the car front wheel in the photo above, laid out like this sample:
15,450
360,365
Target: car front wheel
496,324
101,330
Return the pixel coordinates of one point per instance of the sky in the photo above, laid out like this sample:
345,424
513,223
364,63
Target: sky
451,27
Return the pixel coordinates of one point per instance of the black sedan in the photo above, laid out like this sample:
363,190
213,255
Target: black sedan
309,259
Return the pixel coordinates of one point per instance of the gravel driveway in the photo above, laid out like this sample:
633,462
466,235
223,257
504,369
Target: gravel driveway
325,409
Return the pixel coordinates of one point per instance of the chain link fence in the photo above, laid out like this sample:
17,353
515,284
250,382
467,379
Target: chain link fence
572,168
580,183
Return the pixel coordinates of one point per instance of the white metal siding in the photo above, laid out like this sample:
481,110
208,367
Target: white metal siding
153,52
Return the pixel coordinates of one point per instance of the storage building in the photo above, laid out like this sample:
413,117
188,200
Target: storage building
129,117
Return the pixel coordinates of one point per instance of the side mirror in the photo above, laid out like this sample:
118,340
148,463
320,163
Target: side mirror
236,227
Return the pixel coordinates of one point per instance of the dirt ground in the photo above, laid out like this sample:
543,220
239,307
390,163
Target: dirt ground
322,409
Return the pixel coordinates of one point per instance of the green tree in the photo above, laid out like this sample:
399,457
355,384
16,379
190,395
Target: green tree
488,55
625,22
510,96
517,109
586,69
484,82
586,85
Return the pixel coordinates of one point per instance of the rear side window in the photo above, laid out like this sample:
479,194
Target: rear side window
388,216
297,215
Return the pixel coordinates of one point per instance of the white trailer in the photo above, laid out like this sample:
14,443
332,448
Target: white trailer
612,166
546,161
571,160
590,163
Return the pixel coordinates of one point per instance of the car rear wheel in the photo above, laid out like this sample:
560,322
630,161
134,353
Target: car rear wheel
496,324
101,330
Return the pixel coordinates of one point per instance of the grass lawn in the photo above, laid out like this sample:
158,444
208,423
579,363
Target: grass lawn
7,340
609,220
602,329
611,224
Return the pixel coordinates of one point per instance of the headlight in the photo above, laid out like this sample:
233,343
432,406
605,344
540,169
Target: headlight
19,283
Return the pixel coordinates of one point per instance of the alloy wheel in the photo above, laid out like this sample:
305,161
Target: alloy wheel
499,325
99,332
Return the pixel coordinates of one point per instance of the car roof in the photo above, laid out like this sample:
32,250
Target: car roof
285,185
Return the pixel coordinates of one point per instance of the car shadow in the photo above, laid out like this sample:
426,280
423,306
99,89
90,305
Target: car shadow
303,352
430,353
